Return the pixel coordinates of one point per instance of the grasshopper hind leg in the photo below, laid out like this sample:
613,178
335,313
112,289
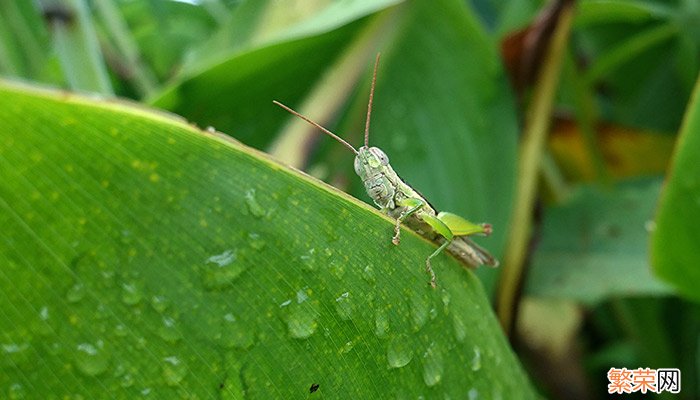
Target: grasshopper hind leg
429,268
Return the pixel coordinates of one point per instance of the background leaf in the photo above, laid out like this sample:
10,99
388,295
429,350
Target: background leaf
141,256
674,254
595,245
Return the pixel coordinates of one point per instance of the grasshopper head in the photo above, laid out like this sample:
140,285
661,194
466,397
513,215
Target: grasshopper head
369,161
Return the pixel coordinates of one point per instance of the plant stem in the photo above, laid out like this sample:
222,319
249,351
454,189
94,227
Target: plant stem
78,50
118,31
534,138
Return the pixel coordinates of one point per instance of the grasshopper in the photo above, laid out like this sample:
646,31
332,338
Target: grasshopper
405,205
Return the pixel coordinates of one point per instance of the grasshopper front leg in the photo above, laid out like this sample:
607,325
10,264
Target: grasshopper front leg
412,205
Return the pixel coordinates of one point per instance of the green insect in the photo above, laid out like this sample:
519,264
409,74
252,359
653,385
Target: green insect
403,203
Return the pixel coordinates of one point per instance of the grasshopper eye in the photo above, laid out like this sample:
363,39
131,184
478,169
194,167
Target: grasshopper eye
358,166
380,155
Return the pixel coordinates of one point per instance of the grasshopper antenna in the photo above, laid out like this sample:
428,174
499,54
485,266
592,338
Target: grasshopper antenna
371,96
326,131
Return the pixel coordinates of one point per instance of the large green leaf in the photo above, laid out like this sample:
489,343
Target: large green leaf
141,256
675,255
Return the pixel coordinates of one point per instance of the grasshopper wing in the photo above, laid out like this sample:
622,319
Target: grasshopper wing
466,250
461,227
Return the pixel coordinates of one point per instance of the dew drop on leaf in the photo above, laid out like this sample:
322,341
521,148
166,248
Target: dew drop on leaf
16,392
446,298
168,330
131,294
398,352
159,303
433,368
221,270
174,370
460,328
126,380
255,241
344,306
368,275
44,326
476,360
381,324
337,269
419,310
347,347
120,330
254,207
91,359
234,333
308,261
75,293
300,316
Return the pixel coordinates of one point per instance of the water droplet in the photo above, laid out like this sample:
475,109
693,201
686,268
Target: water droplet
75,293
381,324
344,306
398,352
91,359
16,392
302,296
15,354
473,394
44,313
174,370
419,310
221,270
223,259
159,303
55,348
253,206
476,360
337,269
308,261
368,275
347,347
460,328
125,237
145,391
446,298
127,380
432,365
44,325
235,334
169,331
433,313
255,241
300,316
120,330
12,348
131,294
